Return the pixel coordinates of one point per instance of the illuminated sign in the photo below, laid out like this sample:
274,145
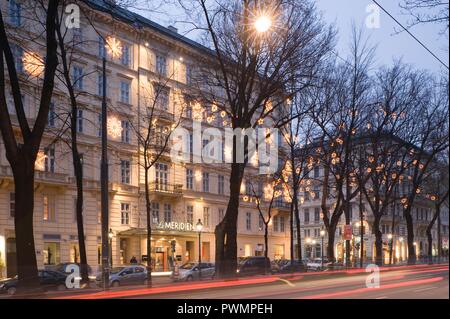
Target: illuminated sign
175,226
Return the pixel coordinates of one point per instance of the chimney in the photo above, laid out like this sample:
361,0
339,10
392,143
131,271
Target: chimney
172,28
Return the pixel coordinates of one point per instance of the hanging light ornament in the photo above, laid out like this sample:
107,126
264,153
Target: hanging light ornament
113,46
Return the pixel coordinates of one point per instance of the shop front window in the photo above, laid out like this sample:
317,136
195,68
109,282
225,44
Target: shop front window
51,253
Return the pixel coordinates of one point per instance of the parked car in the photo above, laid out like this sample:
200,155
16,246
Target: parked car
317,265
248,266
192,271
49,280
62,268
125,275
292,266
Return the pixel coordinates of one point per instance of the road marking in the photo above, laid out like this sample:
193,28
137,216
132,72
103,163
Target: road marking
287,282
382,297
424,289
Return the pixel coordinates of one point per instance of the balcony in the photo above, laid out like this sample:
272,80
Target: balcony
281,206
166,190
41,177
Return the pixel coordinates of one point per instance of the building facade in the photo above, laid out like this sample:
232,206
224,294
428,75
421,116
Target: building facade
181,193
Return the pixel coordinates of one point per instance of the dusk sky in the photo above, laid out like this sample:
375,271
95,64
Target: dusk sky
342,13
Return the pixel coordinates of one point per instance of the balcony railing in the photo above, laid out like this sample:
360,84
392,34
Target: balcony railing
166,188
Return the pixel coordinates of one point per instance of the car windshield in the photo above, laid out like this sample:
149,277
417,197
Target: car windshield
241,261
115,270
188,266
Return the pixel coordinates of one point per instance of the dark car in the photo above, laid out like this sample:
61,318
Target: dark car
291,266
248,266
49,280
62,268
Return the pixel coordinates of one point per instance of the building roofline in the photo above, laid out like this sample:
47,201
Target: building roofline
137,20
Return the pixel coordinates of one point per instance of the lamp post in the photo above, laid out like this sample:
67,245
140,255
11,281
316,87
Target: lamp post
114,49
199,227
110,236
390,237
322,235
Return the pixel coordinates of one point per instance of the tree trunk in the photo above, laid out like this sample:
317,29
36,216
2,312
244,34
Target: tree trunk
347,242
291,225
330,247
79,214
266,245
410,237
297,223
429,228
378,241
439,238
226,231
149,228
23,220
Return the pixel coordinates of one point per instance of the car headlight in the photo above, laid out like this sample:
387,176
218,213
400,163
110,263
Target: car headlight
2,286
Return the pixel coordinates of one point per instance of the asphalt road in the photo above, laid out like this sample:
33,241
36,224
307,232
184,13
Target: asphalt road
407,282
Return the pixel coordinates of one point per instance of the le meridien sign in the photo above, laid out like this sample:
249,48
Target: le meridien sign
175,226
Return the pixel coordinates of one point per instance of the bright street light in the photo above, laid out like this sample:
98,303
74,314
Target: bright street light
263,24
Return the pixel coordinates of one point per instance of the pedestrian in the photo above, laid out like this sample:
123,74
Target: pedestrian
133,260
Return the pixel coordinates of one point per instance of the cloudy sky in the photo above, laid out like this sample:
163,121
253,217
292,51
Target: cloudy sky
390,44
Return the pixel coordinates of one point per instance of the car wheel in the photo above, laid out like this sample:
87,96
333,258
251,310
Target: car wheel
189,278
115,284
11,291
61,287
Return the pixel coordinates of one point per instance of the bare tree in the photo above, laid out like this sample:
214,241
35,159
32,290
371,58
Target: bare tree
22,153
249,75
427,11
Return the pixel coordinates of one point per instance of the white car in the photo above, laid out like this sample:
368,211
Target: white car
316,264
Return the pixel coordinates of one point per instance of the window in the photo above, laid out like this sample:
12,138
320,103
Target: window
188,107
306,216
100,85
12,204
51,116
282,223
221,214
191,143
80,121
221,184
50,159
101,47
205,181
189,74
161,65
125,58
162,176
15,13
162,98
248,221
155,212
49,208
316,215
189,179
77,36
167,212
125,173
316,171
276,224
206,216
51,253
190,214
125,92
125,135
77,77
17,52
125,213
99,124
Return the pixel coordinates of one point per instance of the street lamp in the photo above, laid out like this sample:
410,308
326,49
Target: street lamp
110,236
390,237
263,24
322,235
114,49
199,227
